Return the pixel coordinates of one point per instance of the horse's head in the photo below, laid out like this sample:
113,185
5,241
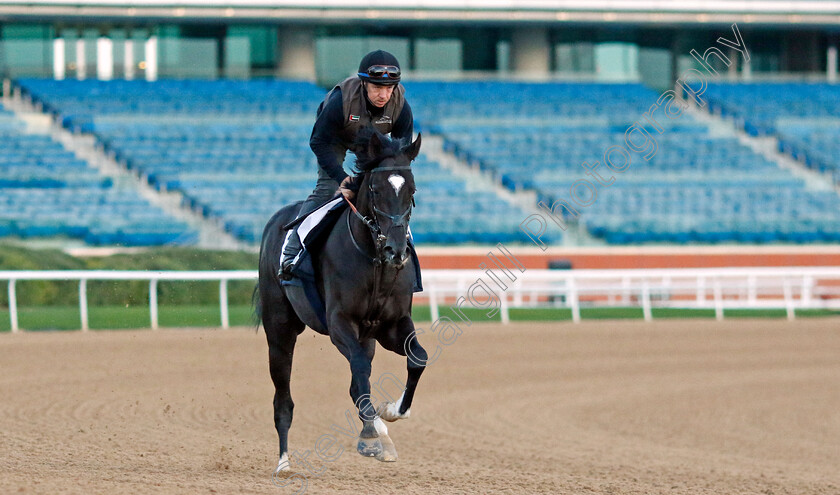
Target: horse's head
386,193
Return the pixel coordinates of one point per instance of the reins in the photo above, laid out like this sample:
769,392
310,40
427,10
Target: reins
374,309
372,223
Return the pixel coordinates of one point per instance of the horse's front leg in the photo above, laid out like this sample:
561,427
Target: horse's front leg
360,355
404,342
389,450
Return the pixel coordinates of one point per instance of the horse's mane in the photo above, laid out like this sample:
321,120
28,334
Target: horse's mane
365,161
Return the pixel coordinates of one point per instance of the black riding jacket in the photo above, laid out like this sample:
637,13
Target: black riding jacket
339,120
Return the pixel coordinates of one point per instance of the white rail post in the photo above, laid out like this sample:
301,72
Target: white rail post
433,304
625,292
223,303
791,313
13,314
83,305
517,292
752,290
646,300
153,303
503,303
718,300
574,302
807,283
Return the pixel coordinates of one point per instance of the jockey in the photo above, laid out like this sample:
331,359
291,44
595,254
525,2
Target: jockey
373,97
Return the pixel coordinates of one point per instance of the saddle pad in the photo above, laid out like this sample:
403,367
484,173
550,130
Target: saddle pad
313,231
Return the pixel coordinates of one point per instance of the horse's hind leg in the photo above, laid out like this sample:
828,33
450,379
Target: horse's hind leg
282,327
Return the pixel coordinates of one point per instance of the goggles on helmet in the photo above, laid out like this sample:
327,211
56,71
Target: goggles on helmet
381,72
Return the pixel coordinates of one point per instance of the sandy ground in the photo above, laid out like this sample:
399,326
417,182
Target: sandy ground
676,407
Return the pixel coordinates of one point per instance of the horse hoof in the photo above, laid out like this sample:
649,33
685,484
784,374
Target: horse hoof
369,447
390,412
283,465
389,450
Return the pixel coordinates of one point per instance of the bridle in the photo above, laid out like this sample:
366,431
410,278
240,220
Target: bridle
371,319
372,223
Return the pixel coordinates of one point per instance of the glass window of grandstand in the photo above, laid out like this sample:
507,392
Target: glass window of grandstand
437,58
26,50
337,57
186,52
217,51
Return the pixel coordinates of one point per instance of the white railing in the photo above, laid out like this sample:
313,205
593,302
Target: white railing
83,276
788,288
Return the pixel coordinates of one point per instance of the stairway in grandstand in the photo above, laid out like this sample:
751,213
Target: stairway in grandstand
803,118
701,186
236,151
46,191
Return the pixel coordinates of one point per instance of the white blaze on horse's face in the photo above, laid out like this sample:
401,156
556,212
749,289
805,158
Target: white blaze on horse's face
397,182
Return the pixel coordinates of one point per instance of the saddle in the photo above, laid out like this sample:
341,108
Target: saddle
313,230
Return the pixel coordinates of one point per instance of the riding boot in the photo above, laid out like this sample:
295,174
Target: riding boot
290,252
324,190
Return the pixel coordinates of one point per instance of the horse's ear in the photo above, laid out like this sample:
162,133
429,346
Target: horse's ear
374,145
413,149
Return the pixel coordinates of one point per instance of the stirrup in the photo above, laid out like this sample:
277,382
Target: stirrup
287,264
285,272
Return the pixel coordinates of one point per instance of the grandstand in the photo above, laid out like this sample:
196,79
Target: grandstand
699,187
214,109
237,150
46,191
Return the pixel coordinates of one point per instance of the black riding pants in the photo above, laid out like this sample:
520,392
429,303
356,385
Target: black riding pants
324,191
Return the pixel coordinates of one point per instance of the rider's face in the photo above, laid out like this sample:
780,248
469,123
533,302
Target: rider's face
379,95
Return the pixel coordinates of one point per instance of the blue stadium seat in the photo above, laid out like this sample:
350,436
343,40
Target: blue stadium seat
45,191
238,150
697,188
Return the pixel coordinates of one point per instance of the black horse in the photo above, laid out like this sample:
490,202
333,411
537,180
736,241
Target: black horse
365,276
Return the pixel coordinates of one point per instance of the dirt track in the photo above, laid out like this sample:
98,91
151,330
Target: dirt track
621,407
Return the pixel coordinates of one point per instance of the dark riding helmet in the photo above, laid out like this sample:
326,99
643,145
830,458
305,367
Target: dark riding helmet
380,67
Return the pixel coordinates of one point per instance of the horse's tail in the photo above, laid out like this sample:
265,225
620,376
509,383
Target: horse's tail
256,308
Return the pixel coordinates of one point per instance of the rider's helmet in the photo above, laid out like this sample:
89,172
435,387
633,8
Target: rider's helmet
380,67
